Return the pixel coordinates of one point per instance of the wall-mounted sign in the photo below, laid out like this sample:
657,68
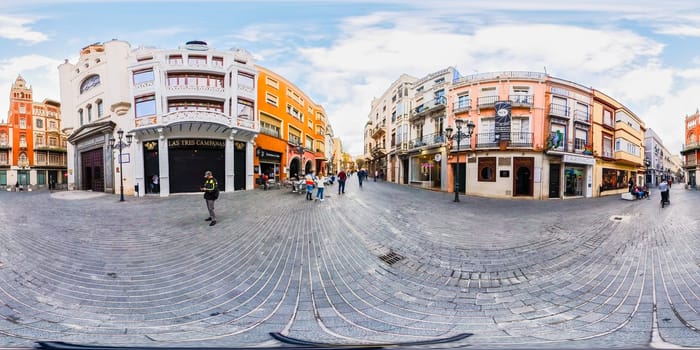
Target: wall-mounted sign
502,129
505,173
196,143
269,155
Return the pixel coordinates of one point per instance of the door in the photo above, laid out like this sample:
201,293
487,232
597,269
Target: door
92,174
187,167
404,168
523,170
554,180
460,173
151,167
239,169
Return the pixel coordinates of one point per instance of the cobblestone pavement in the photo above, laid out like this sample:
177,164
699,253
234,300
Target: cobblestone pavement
383,263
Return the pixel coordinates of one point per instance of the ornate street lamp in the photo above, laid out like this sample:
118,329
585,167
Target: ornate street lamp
459,135
119,144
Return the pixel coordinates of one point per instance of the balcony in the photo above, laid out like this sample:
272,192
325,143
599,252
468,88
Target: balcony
378,151
578,146
378,131
582,117
5,146
461,106
691,163
189,116
427,140
690,146
486,102
424,109
627,158
196,90
561,111
50,148
517,140
521,100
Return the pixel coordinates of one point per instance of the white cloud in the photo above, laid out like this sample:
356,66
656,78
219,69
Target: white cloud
40,72
372,51
17,28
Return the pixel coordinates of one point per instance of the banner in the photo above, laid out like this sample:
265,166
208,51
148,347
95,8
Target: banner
503,110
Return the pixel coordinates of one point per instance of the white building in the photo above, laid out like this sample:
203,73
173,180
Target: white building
190,109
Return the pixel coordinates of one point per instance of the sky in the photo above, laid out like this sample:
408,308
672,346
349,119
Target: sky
645,54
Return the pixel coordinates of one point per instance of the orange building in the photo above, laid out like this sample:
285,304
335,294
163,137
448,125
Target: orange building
292,130
32,147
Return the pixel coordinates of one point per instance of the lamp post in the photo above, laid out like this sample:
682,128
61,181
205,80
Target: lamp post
470,129
119,144
302,170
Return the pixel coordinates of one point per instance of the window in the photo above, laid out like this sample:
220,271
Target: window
487,169
622,145
487,131
22,123
100,109
89,112
197,60
294,112
439,80
607,117
607,146
195,105
143,76
53,125
613,179
462,101
39,123
217,61
309,143
245,109
622,117
80,114
23,140
3,138
89,83
145,106
246,81
22,109
39,141
3,160
23,158
53,142
41,158
272,82
175,59
310,123
271,99
269,129
581,112
580,139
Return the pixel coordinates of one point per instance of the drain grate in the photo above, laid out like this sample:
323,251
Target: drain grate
391,258
617,218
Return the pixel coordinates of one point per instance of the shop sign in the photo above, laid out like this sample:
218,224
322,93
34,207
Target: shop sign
269,155
570,158
196,143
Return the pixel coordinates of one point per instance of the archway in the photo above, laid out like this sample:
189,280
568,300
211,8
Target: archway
308,166
294,168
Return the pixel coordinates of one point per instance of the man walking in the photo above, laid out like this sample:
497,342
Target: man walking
342,176
211,194
360,176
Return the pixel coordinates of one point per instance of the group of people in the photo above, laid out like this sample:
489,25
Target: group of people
639,192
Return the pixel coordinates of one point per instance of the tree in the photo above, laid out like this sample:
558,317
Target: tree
360,163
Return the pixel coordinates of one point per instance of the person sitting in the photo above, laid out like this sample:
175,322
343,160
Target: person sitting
645,189
637,192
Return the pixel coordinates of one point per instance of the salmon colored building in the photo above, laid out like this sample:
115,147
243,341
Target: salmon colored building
32,146
291,141
691,148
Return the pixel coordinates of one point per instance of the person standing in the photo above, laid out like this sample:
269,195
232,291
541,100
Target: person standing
211,194
320,184
342,176
155,180
310,178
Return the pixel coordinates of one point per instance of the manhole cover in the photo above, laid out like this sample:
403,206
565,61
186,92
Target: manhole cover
391,258
620,218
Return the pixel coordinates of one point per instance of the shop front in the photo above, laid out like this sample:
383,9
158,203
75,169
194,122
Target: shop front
426,170
268,163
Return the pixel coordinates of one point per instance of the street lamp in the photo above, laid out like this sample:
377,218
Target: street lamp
459,135
119,144
302,170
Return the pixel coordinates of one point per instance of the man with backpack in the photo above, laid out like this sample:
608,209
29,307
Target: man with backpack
211,194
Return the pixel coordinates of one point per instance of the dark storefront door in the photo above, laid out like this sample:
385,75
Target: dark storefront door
554,180
239,166
151,166
522,181
404,167
187,167
92,170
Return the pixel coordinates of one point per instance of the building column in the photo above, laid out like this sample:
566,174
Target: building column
249,159
163,165
228,163
138,166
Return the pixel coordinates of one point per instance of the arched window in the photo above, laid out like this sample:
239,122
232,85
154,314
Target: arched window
80,114
89,83
89,112
23,160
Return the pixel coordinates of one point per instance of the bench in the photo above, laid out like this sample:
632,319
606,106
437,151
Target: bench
628,196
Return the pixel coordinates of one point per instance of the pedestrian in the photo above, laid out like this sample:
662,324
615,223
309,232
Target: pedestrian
376,173
360,176
155,180
342,176
211,194
320,184
310,179
264,181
